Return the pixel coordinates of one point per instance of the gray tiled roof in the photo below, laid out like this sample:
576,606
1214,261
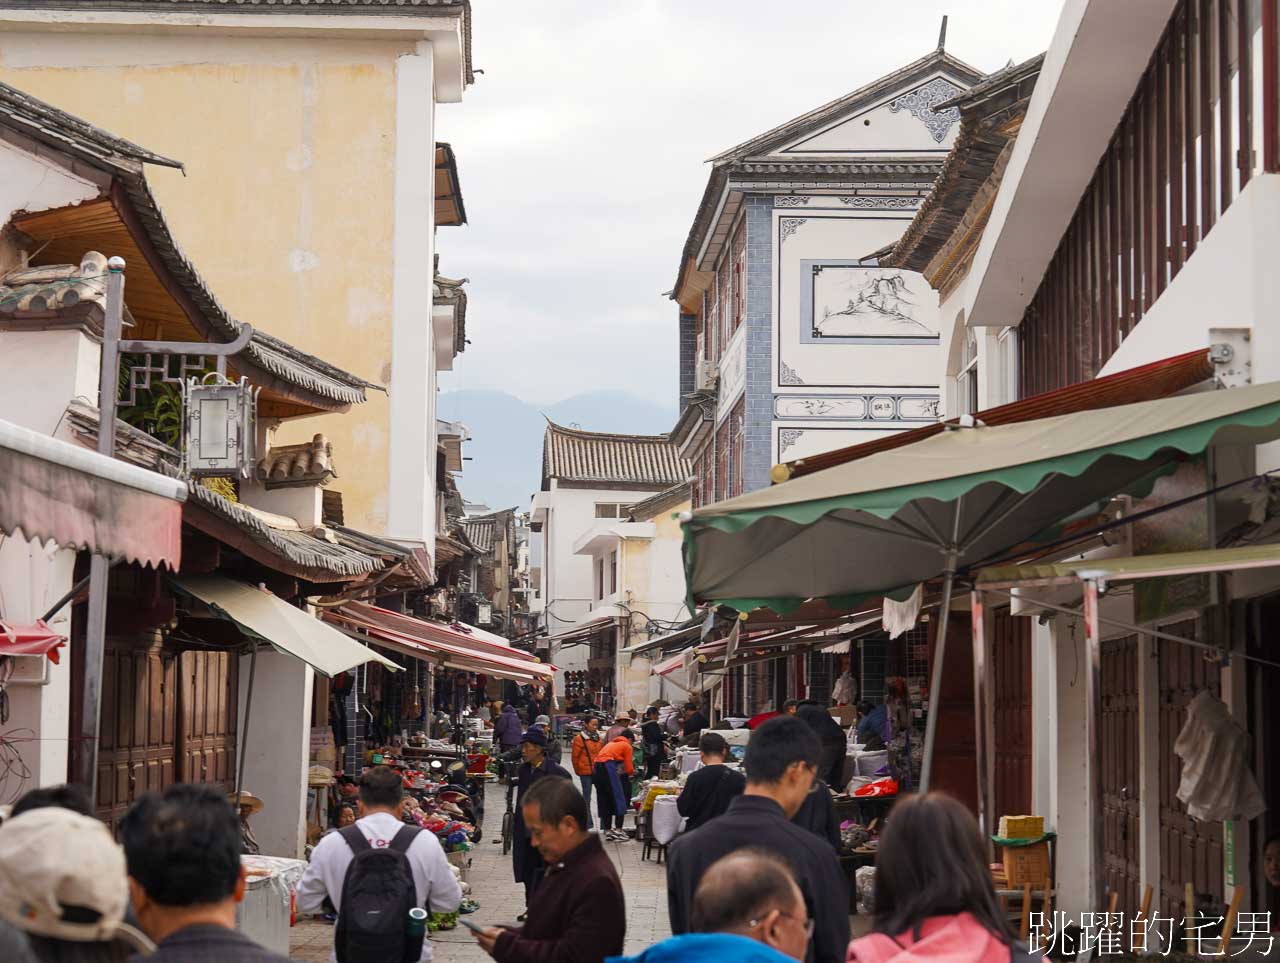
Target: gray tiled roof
986,113
124,160
306,463
570,454
298,7
655,505
299,548
755,158
480,532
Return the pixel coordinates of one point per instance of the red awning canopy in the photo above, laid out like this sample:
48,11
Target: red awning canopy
1160,379
34,639
456,648
61,493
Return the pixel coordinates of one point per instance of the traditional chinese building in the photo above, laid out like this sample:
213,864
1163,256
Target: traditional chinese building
793,341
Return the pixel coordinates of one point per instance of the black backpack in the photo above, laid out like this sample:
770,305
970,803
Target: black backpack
377,894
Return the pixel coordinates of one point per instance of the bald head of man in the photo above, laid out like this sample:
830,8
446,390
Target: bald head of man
752,893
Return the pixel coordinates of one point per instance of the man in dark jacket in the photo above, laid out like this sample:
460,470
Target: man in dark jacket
694,721
526,863
578,914
831,737
655,743
781,761
506,728
709,790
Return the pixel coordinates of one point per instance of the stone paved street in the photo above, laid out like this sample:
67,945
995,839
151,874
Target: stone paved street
501,899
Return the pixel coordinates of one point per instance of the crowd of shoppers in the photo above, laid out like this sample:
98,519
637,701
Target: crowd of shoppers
749,882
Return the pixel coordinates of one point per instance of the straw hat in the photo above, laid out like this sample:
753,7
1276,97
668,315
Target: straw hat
248,801
52,859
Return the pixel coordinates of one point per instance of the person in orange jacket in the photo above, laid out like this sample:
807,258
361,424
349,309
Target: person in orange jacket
583,750
612,800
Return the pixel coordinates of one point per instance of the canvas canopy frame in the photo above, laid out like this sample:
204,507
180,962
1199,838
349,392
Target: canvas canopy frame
946,504
1094,576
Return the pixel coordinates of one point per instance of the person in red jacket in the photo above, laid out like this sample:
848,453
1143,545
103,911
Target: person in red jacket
614,767
584,749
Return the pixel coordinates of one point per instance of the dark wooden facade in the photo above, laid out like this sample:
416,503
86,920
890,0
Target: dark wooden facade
1190,850
1121,773
1011,697
1179,157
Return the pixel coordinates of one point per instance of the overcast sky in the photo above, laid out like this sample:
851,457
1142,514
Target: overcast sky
581,150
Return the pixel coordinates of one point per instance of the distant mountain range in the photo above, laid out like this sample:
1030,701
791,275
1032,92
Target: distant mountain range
506,435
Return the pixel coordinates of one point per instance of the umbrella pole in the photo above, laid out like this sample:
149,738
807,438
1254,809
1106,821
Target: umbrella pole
244,741
935,681
1093,717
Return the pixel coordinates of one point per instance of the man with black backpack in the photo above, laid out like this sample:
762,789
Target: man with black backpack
376,871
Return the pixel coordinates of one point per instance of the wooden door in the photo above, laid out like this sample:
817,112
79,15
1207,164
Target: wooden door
1011,707
1190,851
136,738
208,705
955,753
1121,772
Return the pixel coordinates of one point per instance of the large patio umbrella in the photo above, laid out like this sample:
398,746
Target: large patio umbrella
885,523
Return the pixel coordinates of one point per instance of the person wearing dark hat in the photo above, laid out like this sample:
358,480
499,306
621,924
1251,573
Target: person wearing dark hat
527,863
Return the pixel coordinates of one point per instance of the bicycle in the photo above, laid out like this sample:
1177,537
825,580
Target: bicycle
509,817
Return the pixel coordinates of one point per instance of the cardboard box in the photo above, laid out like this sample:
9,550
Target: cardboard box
1027,864
845,715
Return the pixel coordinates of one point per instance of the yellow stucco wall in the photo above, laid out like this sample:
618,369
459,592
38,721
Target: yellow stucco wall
652,594
286,208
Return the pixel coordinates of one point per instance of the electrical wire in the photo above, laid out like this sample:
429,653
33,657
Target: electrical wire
14,771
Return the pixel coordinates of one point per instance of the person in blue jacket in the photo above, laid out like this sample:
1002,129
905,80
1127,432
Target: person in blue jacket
747,909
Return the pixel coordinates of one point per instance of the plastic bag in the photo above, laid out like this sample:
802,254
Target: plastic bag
881,787
864,886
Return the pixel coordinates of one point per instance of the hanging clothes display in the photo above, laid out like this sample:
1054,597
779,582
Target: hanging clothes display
1217,784
900,617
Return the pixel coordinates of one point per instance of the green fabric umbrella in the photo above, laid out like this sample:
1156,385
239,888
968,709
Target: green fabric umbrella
885,523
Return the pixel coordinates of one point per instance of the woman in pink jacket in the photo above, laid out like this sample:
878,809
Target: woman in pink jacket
934,897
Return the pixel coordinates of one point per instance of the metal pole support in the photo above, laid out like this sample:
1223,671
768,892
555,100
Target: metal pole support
84,748
1093,714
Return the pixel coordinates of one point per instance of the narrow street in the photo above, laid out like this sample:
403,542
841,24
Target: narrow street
499,896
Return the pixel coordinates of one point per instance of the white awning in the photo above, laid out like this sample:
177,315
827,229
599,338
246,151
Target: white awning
288,629
53,491
662,641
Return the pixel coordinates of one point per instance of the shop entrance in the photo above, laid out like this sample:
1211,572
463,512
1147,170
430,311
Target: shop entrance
1190,851
1011,707
1121,785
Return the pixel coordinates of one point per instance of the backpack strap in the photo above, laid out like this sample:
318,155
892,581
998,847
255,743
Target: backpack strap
354,838
404,839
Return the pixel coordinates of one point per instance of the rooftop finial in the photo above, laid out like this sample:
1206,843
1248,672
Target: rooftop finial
942,34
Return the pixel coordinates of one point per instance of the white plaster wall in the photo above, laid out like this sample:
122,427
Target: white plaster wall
40,371
304,503
276,746
412,504
32,183
878,129
1071,809
569,578
833,393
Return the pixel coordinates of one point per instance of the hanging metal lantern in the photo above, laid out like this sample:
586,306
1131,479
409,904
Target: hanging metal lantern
220,427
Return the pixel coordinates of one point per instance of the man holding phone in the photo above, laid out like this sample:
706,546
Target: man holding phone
578,914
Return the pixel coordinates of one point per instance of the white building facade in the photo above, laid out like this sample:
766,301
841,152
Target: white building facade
793,340
589,482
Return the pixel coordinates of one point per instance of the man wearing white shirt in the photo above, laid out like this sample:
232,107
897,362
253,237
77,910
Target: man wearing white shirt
381,799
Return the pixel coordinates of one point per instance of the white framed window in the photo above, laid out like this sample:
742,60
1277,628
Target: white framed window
967,377
608,510
1007,349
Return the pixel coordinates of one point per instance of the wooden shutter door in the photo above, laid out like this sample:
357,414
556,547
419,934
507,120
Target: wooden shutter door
1121,771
